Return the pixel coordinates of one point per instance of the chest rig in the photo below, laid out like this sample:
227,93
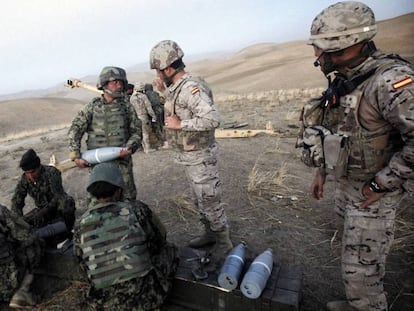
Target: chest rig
109,126
180,139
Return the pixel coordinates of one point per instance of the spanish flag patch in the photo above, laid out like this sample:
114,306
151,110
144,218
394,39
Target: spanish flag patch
195,90
404,82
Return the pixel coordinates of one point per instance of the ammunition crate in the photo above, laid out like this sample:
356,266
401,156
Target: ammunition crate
282,291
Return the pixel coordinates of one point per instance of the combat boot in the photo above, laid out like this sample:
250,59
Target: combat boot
207,238
340,305
23,298
222,247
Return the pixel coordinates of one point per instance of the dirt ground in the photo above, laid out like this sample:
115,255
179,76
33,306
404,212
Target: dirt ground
265,187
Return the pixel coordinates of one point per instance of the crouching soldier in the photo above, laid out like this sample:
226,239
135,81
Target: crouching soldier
20,253
122,247
44,184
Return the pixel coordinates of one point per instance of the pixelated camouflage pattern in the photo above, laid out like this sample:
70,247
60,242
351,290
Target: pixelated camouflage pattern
81,125
51,200
381,140
342,25
146,114
367,238
111,74
164,53
19,252
140,293
191,99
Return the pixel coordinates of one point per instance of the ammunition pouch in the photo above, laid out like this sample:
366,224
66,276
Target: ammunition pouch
189,140
336,154
313,151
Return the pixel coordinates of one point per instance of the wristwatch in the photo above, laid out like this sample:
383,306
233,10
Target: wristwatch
375,187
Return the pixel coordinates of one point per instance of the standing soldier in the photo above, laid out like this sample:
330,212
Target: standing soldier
190,122
362,132
108,121
145,113
20,253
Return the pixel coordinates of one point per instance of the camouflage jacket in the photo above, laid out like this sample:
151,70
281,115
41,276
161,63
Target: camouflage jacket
389,108
192,101
143,107
83,120
46,192
15,232
149,222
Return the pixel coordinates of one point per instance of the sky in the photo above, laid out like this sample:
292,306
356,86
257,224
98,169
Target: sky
45,42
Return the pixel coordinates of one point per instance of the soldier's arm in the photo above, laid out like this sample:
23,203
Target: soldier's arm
204,114
19,196
77,129
148,108
397,105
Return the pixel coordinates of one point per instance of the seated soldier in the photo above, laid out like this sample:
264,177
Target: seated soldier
20,253
122,247
44,184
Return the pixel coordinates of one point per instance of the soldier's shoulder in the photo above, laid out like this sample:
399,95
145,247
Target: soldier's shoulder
194,85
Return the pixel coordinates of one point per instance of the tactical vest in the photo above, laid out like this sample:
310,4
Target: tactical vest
187,140
113,245
109,126
369,150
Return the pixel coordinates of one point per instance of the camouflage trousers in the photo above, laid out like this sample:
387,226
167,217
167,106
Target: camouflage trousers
202,171
11,276
141,294
366,242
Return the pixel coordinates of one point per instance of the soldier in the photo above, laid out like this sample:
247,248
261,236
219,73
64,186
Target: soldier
145,113
361,131
109,121
122,247
20,253
190,122
44,184
130,90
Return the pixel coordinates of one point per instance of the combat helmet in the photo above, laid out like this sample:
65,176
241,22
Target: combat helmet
107,172
139,87
111,74
164,53
342,25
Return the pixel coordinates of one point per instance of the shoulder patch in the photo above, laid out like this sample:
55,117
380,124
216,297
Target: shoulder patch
195,91
402,83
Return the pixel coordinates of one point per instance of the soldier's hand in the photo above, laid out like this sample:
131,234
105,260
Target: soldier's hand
370,196
173,122
81,163
317,186
159,85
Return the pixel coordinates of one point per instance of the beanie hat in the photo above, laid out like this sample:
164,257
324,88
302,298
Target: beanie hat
29,160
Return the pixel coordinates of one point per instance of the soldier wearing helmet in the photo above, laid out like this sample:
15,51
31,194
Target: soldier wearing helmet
127,241
145,113
108,121
190,122
361,132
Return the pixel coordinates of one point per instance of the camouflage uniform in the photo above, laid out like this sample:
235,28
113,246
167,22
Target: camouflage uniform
373,123
118,126
140,276
51,200
144,111
19,252
158,108
192,101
